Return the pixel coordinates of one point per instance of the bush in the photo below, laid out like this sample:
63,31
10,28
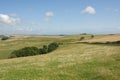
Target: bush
52,46
48,48
82,38
27,51
30,51
43,50
92,36
13,54
4,38
115,42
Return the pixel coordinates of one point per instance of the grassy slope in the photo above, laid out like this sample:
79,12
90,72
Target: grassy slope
68,62
104,38
6,47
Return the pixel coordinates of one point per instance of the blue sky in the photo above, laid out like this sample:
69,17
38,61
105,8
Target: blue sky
59,16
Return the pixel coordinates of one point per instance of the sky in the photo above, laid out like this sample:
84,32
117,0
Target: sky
54,17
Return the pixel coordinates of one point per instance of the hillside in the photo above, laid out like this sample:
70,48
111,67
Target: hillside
17,42
68,62
104,38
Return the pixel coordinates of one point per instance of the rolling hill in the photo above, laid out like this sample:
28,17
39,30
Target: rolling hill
69,62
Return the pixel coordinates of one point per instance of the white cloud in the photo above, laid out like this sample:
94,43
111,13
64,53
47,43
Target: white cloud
8,20
49,14
89,10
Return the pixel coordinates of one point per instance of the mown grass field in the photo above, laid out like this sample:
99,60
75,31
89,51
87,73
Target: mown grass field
68,62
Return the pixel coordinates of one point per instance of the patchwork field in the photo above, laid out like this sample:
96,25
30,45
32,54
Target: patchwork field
71,61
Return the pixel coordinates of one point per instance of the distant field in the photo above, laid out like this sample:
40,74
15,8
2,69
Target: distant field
69,62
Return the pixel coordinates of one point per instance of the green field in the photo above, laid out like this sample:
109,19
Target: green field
71,61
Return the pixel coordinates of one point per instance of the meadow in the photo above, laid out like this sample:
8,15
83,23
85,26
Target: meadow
71,61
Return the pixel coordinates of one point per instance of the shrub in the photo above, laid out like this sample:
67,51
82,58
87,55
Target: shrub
30,51
92,36
27,51
117,42
82,38
43,50
52,46
4,38
13,55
